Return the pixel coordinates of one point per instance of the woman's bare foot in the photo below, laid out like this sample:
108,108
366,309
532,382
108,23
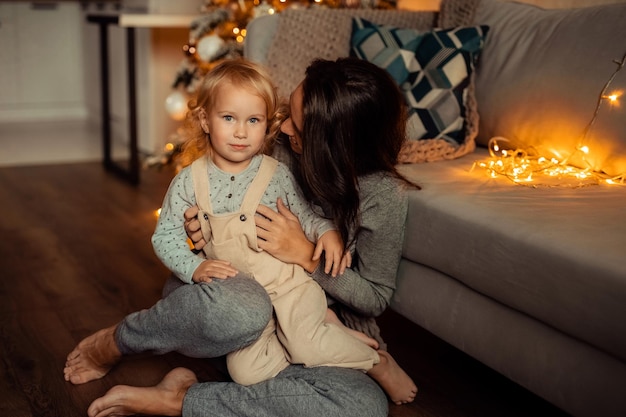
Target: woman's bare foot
397,384
164,399
331,317
93,357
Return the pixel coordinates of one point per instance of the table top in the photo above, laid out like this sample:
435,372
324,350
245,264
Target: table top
143,20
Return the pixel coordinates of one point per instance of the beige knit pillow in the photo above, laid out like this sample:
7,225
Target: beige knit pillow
306,34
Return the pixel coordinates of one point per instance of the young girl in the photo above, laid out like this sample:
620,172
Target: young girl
238,114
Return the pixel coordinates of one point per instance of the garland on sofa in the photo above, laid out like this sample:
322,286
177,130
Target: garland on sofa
525,166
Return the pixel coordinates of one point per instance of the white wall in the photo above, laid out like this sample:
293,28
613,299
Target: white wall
50,70
158,52
41,76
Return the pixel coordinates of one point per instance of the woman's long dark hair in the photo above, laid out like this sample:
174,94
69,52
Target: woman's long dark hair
354,123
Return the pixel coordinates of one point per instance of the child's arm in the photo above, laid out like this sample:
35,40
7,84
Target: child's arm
170,239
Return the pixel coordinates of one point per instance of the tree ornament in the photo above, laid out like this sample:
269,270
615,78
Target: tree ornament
209,47
176,105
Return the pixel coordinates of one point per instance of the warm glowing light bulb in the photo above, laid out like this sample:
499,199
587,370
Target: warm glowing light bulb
584,149
169,146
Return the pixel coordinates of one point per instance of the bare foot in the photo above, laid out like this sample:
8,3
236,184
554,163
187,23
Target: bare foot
164,399
331,317
93,357
397,384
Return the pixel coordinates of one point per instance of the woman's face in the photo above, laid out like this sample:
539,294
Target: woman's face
292,127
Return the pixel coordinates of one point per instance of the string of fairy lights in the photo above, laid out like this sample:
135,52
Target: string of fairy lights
524,166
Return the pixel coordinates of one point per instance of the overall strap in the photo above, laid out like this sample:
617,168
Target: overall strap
200,175
259,184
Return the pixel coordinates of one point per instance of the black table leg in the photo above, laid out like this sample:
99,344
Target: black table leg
129,173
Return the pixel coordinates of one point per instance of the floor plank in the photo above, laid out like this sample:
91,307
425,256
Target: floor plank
75,256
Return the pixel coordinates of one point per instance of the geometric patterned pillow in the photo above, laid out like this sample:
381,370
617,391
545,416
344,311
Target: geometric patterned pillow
433,69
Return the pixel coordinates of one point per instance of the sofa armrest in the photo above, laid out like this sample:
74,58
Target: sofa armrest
260,35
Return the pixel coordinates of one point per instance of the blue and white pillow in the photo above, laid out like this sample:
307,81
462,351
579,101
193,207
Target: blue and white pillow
433,69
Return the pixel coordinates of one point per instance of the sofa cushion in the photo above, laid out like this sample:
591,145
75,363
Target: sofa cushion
433,69
540,79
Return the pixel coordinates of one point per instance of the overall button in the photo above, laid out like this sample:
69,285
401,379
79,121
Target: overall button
243,217
206,216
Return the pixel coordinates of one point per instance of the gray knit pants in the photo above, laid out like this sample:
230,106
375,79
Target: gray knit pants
295,392
199,320
210,320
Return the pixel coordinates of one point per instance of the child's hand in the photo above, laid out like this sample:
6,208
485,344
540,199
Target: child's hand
212,268
330,243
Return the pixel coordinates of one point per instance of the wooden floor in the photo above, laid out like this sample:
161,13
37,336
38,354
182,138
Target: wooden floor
75,256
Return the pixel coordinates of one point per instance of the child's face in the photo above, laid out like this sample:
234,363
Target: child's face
236,123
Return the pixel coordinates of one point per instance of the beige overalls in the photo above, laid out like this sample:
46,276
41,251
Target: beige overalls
297,334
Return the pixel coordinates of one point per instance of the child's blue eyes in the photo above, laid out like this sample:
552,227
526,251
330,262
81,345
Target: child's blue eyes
252,120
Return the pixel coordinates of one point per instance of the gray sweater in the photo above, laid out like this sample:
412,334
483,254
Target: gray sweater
364,291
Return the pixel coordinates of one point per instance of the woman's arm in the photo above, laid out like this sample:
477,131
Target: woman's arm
295,213
192,228
368,285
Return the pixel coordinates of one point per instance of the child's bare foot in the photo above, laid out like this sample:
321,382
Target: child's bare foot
331,317
397,384
164,399
93,357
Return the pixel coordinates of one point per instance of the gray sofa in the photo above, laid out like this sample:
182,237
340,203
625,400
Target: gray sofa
530,280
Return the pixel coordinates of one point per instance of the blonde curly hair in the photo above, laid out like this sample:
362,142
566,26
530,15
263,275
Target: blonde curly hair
242,73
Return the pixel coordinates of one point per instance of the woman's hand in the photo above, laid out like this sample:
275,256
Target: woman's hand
213,268
331,245
192,227
281,235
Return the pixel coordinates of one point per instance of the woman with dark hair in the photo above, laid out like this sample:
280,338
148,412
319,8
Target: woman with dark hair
347,123
351,131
